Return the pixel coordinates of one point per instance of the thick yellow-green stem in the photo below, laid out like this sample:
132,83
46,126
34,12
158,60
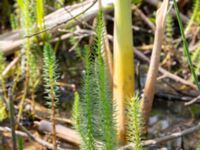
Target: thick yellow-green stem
40,14
123,80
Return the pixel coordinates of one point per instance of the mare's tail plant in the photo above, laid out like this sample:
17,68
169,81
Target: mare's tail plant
194,17
50,78
31,20
76,111
169,28
134,123
34,57
104,92
85,108
169,50
93,113
29,65
49,69
13,21
196,57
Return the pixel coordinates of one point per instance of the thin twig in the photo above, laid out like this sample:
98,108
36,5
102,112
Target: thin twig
144,17
192,101
59,24
11,65
164,138
74,17
165,72
54,21
27,134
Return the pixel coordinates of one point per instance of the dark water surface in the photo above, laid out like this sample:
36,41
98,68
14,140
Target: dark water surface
168,117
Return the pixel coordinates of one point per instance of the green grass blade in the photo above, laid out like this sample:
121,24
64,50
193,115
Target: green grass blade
185,46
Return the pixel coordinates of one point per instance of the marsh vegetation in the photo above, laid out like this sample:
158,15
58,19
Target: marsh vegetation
99,74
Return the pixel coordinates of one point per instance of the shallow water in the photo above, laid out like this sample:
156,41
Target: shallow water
168,117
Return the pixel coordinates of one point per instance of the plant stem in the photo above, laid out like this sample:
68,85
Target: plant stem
123,73
12,120
21,106
185,46
53,118
149,89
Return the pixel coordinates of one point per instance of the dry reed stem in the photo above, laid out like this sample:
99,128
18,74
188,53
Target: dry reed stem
147,99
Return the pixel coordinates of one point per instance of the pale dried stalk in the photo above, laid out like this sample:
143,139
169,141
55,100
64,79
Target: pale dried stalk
147,99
